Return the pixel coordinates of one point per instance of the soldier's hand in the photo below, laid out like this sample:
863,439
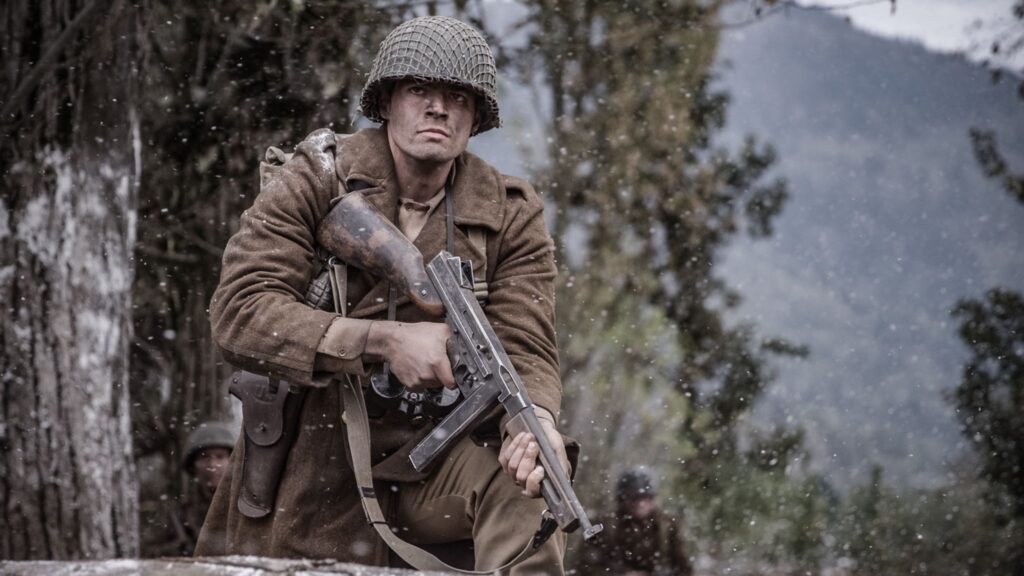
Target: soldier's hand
416,352
520,455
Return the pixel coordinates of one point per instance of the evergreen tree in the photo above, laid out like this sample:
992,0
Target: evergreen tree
644,201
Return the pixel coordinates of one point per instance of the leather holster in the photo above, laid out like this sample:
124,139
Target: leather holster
270,421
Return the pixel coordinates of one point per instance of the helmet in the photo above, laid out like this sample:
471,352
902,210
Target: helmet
207,435
634,484
439,49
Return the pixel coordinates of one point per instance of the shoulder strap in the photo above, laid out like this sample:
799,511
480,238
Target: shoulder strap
337,268
478,238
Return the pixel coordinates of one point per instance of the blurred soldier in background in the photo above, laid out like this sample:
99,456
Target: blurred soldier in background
207,455
639,539
171,524
206,459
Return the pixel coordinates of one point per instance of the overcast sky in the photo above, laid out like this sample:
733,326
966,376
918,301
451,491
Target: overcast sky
967,26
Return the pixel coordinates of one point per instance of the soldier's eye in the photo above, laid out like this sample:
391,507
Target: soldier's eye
416,89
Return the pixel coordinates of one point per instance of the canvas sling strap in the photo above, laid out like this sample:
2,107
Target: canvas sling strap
357,429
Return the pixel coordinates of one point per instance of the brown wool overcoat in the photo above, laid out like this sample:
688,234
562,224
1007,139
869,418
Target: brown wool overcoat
261,324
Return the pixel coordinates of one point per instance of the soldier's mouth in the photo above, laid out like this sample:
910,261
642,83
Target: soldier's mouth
434,131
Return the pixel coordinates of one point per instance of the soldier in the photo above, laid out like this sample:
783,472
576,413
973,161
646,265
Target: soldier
207,453
640,540
432,86
206,460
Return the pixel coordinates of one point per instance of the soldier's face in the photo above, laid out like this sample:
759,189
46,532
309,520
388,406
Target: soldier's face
211,464
429,121
642,507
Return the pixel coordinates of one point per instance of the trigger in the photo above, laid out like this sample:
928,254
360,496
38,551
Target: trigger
461,374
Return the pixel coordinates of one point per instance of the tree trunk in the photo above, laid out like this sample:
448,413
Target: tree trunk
67,227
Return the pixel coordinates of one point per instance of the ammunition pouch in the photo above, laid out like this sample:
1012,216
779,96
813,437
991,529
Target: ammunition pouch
270,422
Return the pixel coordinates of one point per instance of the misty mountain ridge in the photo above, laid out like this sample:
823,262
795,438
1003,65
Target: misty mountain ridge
889,223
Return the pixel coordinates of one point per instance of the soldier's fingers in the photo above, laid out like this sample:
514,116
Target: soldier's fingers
533,481
435,381
527,463
516,452
504,453
508,446
422,383
411,382
444,375
522,445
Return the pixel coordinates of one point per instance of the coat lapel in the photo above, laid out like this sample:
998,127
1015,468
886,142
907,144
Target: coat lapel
479,194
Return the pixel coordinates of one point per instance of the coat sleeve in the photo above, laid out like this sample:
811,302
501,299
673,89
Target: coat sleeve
258,315
521,304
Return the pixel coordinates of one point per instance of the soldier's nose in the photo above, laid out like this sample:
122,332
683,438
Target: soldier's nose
436,107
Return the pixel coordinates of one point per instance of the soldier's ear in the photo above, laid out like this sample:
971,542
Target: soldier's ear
385,100
478,116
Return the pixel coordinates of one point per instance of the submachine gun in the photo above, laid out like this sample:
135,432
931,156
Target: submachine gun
355,232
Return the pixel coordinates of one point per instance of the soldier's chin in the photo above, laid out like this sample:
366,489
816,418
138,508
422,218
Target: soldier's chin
435,153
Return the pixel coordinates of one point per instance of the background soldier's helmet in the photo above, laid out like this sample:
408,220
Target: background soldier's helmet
634,484
207,435
436,48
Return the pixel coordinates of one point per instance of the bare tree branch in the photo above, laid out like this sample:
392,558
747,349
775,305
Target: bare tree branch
778,6
172,257
49,60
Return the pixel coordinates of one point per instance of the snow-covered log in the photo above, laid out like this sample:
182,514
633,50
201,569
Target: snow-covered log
227,566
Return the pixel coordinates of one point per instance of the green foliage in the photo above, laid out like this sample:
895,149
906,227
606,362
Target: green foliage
644,203
991,393
994,165
634,174
953,530
756,516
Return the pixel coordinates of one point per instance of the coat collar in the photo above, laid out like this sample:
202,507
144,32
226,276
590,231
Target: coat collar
479,190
